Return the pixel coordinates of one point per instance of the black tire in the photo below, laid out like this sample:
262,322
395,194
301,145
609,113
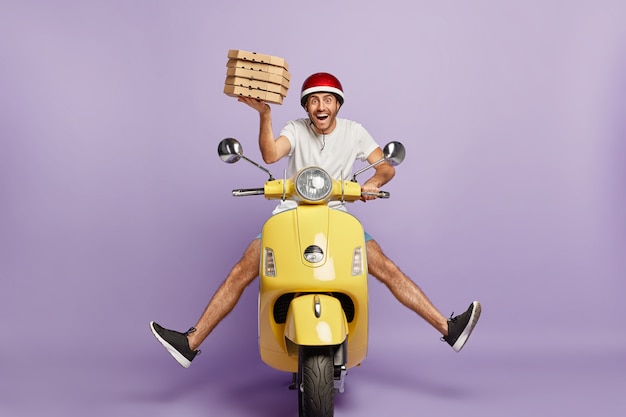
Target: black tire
316,386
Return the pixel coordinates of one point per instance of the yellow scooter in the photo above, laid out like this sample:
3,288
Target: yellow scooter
313,299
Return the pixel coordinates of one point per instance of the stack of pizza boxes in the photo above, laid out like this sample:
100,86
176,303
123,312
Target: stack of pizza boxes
249,74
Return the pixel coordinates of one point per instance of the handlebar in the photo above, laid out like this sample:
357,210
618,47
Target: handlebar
242,192
380,194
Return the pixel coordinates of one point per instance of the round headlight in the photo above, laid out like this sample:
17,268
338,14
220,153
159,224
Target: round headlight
313,184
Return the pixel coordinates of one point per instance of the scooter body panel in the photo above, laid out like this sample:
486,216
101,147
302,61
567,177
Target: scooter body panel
285,319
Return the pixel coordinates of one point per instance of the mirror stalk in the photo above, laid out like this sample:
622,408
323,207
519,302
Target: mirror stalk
260,167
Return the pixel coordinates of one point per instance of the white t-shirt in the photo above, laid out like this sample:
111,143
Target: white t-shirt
335,152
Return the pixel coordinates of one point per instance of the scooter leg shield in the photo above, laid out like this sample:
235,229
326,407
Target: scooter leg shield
316,320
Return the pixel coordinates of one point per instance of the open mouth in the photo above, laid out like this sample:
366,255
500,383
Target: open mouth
321,117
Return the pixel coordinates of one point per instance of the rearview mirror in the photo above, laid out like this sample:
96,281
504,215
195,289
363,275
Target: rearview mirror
393,153
230,150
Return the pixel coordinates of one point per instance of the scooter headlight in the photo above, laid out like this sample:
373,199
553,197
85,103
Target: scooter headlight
313,184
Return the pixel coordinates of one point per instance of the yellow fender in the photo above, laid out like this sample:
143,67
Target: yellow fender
316,320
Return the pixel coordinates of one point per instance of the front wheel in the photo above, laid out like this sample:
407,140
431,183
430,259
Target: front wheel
316,390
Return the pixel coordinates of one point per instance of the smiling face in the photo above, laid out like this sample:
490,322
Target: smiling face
322,109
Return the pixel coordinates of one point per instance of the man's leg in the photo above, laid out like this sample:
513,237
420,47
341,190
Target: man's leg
183,346
455,330
227,295
402,287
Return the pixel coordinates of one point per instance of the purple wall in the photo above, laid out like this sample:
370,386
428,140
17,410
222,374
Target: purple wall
116,210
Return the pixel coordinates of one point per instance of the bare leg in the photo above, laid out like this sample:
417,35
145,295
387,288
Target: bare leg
401,286
227,295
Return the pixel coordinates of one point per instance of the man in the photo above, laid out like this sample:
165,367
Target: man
334,144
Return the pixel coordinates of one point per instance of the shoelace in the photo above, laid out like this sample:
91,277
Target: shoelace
187,333
452,319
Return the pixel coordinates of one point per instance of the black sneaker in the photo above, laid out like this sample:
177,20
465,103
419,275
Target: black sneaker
460,327
176,343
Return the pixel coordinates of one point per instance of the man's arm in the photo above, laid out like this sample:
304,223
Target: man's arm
272,149
382,175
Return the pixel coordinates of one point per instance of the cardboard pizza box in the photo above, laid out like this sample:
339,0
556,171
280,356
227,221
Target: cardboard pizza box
255,66
236,91
255,57
258,75
259,85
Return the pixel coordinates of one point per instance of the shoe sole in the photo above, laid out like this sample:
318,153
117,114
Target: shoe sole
184,362
467,331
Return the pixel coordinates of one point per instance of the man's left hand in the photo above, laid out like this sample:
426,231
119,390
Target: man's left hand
369,187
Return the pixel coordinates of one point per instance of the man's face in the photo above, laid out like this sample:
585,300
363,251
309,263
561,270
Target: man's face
322,109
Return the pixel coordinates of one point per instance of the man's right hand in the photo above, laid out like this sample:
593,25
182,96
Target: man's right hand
259,105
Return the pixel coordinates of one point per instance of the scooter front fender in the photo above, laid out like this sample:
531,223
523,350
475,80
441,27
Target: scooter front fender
316,320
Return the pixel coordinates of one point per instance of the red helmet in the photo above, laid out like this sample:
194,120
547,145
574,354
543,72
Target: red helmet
321,82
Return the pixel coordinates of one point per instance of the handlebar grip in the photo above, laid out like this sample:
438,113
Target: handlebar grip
242,192
380,194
